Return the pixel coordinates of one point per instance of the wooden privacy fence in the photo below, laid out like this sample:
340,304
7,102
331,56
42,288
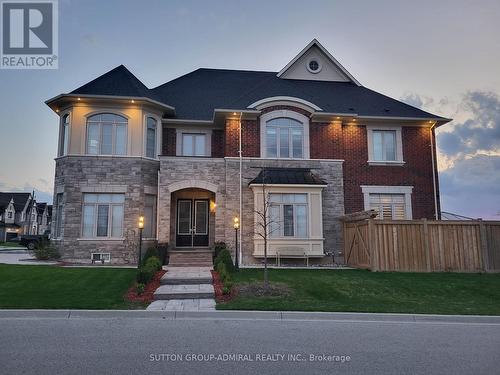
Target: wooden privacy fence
423,245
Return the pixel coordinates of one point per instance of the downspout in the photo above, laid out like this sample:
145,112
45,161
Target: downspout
240,152
434,167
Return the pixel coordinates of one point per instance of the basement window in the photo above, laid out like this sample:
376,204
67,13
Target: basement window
100,258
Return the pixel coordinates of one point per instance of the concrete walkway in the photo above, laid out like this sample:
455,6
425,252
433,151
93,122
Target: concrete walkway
185,289
21,256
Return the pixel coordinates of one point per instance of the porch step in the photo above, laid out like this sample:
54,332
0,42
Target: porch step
190,259
187,276
199,291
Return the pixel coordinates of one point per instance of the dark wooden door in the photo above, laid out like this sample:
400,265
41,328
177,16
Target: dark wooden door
192,223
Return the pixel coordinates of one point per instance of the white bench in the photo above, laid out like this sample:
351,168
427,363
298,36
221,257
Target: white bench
291,252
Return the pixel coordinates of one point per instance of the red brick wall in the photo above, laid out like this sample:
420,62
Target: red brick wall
250,138
168,142
325,140
416,172
218,143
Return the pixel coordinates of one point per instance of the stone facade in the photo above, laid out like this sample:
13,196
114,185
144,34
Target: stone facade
76,175
221,177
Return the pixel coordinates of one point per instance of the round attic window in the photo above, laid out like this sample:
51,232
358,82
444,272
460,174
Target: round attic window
313,65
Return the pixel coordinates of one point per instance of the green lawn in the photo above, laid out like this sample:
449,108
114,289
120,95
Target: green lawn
10,244
364,291
51,287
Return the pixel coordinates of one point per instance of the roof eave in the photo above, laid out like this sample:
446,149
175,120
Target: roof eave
50,102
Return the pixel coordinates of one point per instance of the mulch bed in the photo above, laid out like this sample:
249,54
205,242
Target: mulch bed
149,289
219,286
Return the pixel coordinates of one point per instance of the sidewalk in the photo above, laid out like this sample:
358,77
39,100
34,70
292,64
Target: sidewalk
249,315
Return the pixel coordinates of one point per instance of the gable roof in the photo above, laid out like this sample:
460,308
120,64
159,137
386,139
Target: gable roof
327,54
20,199
287,176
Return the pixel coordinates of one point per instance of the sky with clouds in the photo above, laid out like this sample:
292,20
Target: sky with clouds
442,56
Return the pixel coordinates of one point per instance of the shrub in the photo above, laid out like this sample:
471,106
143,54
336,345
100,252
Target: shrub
45,251
153,262
140,288
225,258
150,252
221,270
145,274
226,290
218,247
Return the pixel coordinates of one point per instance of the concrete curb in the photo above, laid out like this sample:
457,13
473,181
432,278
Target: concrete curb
248,315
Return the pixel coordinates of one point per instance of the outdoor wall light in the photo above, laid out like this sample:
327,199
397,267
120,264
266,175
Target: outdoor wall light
213,206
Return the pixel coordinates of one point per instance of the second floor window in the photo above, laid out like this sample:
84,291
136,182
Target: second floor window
64,135
194,144
107,134
284,138
151,138
384,145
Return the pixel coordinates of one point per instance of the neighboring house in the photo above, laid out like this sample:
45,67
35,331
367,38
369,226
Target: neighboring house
321,143
8,227
18,215
44,217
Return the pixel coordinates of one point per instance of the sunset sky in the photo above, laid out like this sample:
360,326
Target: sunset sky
442,56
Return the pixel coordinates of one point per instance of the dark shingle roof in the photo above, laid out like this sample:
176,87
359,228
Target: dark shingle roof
287,176
19,199
195,95
118,82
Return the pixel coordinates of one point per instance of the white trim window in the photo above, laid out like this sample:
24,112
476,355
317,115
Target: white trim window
194,144
107,134
391,202
103,215
288,215
385,145
151,131
284,134
284,138
65,123
150,216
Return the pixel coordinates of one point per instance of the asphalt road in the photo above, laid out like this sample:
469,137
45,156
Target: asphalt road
156,346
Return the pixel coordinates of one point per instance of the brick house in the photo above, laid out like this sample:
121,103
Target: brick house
315,144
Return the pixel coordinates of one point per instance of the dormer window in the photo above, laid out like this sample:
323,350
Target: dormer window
107,134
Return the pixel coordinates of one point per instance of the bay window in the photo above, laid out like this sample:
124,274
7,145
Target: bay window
288,215
151,137
103,215
63,149
107,134
150,216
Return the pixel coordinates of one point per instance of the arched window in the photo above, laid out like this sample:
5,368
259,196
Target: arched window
107,134
63,150
151,137
284,138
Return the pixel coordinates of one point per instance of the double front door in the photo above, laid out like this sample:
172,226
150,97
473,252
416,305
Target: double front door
192,223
